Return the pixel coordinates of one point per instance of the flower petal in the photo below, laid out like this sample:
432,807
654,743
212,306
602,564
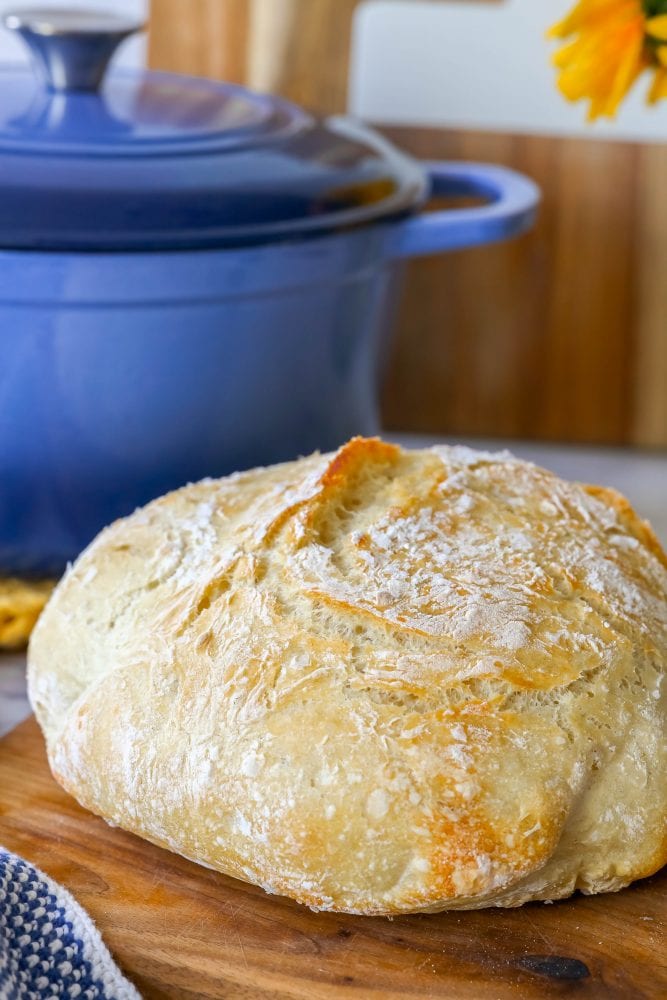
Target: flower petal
658,89
605,53
656,27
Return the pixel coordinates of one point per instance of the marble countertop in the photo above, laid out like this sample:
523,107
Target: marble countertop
641,476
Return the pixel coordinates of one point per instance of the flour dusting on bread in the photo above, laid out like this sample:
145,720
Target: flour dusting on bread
378,681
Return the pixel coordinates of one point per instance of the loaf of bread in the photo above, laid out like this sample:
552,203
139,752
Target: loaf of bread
380,681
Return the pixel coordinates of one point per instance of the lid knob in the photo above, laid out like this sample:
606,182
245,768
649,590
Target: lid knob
71,48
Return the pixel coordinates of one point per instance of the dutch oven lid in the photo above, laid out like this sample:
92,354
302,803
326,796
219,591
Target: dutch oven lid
148,161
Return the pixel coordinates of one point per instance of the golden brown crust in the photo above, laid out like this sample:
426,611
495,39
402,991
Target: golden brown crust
379,681
641,529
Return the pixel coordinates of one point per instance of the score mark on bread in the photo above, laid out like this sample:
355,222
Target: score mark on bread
378,681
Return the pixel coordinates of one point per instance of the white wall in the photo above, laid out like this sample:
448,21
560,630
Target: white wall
131,53
475,65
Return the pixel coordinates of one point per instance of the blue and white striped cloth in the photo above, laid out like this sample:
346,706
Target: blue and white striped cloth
49,946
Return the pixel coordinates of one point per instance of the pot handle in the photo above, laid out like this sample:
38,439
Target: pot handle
511,209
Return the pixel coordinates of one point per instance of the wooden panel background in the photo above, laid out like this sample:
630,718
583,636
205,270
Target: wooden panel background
560,335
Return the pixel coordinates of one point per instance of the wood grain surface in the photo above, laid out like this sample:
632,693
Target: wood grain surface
544,336
180,931
269,45
561,335
212,35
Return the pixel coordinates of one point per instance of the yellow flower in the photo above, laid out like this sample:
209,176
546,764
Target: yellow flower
610,43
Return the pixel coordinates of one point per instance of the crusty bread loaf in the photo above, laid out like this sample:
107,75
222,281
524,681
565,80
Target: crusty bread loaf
380,681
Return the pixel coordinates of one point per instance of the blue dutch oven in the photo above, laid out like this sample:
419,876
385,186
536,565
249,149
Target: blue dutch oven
193,279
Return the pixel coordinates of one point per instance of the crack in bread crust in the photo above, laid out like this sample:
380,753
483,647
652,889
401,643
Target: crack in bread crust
379,681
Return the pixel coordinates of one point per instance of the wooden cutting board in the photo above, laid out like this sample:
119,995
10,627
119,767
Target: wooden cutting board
181,931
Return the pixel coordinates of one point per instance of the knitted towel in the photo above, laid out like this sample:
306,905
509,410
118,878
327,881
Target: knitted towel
49,947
